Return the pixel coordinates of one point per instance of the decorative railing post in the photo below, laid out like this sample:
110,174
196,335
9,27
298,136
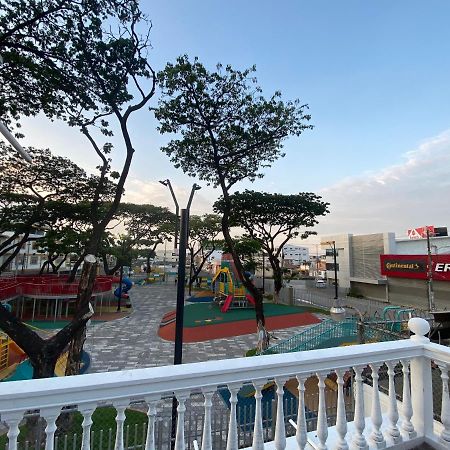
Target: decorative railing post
421,380
152,403
120,406
392,429
359,441
206,437
180,443
13,420
232,439
301,433
445,405
86,410
341,416
376,436
322,425
50,415
280,428
407,410
258,432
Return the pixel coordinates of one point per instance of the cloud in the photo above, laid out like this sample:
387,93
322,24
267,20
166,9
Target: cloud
410,194
138,191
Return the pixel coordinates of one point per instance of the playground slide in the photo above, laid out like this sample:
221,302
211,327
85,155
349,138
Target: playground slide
250,299
227,303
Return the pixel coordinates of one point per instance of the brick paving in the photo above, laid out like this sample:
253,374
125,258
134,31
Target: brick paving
132,342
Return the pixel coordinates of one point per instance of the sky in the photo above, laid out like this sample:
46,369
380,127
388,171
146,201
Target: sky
375,75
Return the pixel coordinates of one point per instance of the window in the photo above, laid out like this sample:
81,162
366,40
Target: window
330,252
330,266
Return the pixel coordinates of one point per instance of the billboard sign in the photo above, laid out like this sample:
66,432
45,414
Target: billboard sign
420,232
415,266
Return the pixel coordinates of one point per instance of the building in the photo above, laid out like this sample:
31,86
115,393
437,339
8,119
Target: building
359,267
294,255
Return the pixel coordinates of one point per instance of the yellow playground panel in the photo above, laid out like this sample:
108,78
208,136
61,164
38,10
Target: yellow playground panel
5,342
226,286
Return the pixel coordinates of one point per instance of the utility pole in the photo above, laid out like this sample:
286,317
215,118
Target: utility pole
431,305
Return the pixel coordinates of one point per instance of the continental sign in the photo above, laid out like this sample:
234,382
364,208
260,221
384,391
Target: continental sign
415,266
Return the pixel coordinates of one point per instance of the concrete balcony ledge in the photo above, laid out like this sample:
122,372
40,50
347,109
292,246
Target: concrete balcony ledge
392,403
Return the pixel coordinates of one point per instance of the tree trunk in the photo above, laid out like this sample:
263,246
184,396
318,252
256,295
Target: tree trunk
277,277
85,289
75,267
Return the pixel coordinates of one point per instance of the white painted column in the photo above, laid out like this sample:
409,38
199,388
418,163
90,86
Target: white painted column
258,432
392,429
407,410
86,410
322,424
12,420
280,428
180,443
301,433
421,380
445,405
359,441
120,406
152,403
341,416
376,437
232,439
50,415
206,438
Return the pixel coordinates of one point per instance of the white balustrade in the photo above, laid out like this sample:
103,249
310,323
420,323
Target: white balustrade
393,430
376,436
359,440
258,431
384,429
322,425
445,404
301,432
407,410
341,416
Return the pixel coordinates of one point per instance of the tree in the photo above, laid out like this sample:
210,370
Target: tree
273,220
247,250
84,63
203,232
227,132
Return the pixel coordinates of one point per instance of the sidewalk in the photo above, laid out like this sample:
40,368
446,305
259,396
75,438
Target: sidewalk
132,342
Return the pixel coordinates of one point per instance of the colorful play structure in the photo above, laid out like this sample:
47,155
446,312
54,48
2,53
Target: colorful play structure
122,292
229,291
49,296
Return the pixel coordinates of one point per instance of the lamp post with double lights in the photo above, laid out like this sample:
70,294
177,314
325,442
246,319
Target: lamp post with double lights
337,312
177,209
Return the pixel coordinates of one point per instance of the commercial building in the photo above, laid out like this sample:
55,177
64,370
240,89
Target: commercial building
294,255
361,267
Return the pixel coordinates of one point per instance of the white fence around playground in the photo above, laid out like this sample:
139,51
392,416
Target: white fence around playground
378,419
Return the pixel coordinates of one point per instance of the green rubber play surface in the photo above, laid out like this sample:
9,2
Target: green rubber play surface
200,314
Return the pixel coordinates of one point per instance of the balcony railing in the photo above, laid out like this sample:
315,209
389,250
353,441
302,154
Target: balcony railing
378,420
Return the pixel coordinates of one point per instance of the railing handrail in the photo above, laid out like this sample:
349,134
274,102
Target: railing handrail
145,383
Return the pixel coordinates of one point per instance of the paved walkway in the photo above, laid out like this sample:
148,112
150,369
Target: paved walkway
133,342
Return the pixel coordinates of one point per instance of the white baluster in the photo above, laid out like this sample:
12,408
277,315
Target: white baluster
258,436
180,443
12,420
407,410
86,410
232,439
50,415
152,402
322,424
392,429
359,441
445,405
341,416
301,433
120,406
376,437
280,428
206,438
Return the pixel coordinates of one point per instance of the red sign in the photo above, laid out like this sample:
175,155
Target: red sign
415,266
421,232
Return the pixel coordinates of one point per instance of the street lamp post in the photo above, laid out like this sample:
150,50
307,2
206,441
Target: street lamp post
336,311
177,208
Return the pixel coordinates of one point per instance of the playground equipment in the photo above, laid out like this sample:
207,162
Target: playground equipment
230,293
122,291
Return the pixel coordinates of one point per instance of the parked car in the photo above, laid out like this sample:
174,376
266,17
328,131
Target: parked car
321,283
